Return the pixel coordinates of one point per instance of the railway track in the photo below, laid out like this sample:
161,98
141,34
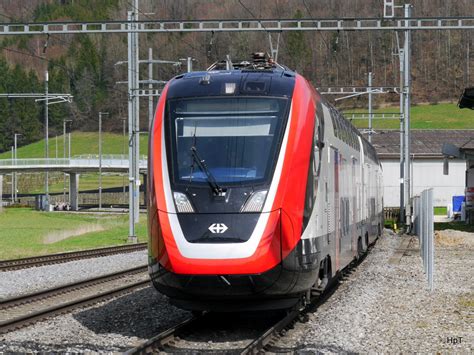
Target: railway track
166,341
16,264
27,309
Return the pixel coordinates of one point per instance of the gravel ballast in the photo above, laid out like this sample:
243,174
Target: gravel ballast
386,307
14,283
115,325
379,307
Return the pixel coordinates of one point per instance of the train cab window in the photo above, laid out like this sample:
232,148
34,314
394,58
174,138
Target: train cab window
238,138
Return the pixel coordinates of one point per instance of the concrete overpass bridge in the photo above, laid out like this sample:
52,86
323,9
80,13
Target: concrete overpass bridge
73,166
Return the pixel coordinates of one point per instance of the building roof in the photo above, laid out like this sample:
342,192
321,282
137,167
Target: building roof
425,143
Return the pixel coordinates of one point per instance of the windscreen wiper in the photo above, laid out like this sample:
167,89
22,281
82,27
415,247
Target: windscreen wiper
210,178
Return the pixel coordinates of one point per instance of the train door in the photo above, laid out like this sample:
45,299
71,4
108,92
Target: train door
345,180
334,217
362,195
355,192
367,197
370,199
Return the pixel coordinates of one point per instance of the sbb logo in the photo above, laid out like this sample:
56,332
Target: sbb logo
217,228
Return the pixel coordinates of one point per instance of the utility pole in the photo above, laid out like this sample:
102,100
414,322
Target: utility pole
124,121
407,93
64,157
370,107
274,49
189,66
133,117
189,63
69,143
133,151
69,157
15,177
402,137
100,157
46,123
150,86
1,193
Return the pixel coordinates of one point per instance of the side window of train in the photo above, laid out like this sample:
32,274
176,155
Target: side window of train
347,216
344,210
315,164
372,206
335,121
343,128
318,140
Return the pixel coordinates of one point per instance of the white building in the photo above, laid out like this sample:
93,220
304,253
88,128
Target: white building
427,164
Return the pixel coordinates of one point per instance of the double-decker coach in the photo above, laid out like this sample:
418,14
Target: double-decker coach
259,190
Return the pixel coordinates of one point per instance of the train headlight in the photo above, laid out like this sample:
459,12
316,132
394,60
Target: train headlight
255,202
182,203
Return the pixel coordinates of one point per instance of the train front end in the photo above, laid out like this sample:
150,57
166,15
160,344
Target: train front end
228,160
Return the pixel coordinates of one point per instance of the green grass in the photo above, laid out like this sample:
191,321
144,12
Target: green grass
441,116
81,143
459,226
390,223
23,231
441,211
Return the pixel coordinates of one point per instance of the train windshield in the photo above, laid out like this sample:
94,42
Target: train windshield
236,139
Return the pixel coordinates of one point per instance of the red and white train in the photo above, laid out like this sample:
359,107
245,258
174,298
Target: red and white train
258,189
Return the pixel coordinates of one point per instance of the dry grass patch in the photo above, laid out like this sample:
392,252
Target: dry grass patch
59,235
450,237
467,302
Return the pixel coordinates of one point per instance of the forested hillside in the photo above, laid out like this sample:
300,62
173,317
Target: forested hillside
84,65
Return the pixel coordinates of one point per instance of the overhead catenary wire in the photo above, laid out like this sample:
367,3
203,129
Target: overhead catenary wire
151,18
251,14
55,64
312,17
259,21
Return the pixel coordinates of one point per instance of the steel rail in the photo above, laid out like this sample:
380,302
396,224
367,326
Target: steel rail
34,296
159,341
72,294
15,264
267,337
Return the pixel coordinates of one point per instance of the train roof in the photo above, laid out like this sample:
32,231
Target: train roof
242,78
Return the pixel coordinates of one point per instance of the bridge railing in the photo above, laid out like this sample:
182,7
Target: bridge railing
34,162
76,161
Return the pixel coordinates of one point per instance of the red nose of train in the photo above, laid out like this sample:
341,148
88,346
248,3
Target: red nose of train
261,252
266,144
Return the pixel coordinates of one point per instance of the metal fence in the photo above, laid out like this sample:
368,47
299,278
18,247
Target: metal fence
423,227
86,199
